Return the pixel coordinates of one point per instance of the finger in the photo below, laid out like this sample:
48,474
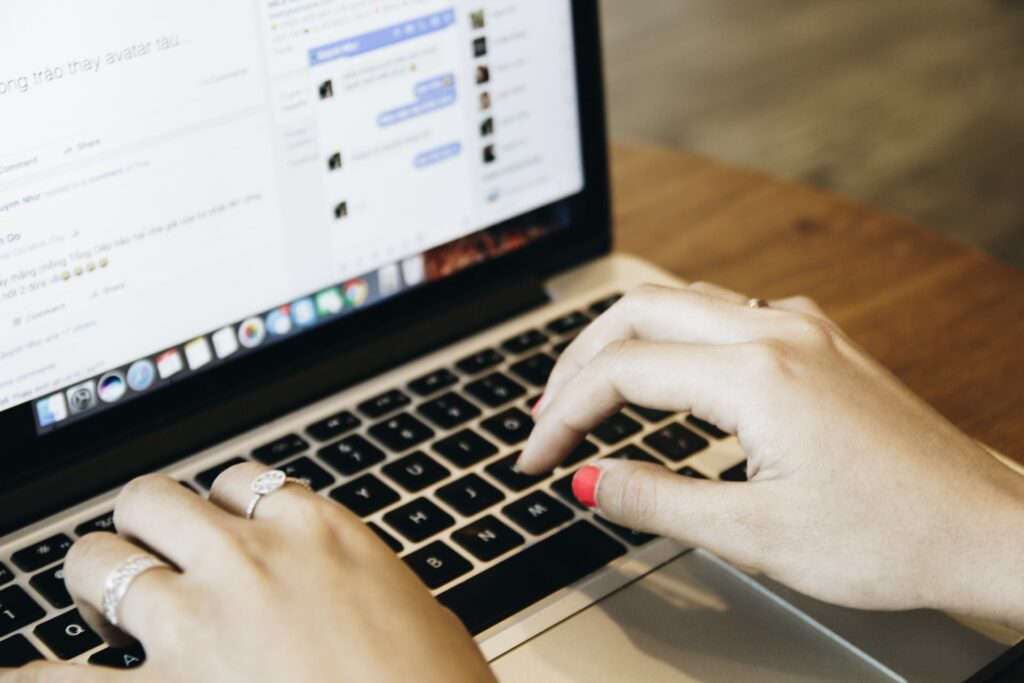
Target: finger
672,377
145,607
167,518
52,672
717,292
232,491
800,304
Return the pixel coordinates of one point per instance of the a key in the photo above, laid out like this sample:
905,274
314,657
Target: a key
6,574
521,343
487,538
538,513
688,471
388,539
17,610
434,382
480,361
634,453
276,451
38,555
449,411
585,450
437,564
676,442
735,473
207,477
104,522
130,657
68,635
416,472
706,427
401,432
536,369
650,414
308,471
512,426
365,495
333,426
599,307
470,495
570,322
617,428
495,390
50,584
419,520
636,538
387,402
351,455
16,652
465,448
504,471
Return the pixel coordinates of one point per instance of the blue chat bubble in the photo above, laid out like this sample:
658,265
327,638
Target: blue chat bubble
436,156
381,38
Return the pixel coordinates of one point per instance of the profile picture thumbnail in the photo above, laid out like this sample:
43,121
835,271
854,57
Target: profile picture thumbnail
483,75
326,90
485,101
478,19
341,211
480,47
487,127
490,155
334,162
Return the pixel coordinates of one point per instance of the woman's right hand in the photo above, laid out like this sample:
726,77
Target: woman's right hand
859,493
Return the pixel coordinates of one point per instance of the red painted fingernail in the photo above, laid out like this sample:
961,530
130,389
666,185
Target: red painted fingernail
584,485
536,406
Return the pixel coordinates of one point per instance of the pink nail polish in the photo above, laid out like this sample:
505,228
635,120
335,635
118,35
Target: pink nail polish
536,406
584,485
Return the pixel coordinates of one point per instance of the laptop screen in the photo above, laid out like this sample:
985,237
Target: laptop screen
186,183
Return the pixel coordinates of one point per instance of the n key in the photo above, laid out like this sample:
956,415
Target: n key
487,538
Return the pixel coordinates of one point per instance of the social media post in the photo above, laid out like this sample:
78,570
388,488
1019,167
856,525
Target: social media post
125,257
74,82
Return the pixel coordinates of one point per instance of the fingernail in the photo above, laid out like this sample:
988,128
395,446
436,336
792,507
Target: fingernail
536,406
584,485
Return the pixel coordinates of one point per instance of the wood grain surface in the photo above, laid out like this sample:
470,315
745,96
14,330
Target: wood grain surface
946,318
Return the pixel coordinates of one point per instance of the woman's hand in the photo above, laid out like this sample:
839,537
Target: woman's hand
859,492
303,592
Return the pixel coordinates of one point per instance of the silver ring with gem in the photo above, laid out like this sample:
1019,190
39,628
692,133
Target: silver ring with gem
268,483
758,303
121,579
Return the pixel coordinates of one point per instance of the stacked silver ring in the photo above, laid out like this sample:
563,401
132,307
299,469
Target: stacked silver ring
268,483
120,580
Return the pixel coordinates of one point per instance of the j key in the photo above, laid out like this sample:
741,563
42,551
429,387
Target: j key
495,390
650,414
130,657
276,451
531,575
465,449
5,574
676,442
384,404
449,411
521,343
388,539
630,536
68,635
416,472
599,307
563,487
104,522
401,432
335,425
735,473
478,362
636,454
16,652
505,472
690,472
17,610
50,584
617,428
536,369
511,426
585,450
365,495
487,538
470,495
569,323
434,382
206,479
437,564
308,471
706,427
419,520
351,455
38,555
538,513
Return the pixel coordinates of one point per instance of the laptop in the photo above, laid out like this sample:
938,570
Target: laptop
349,240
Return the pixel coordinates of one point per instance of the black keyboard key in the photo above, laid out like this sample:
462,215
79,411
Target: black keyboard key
563,487
449,411
365,495
536,369
512,426
308,471
530,576
676,442
104,522
532,402
466,448
17,610
706,427
617,428
38,555
333,426
521,343
419,520
401,432
16,652
206,478
559,349
131,657
735,473
50,584
470,495
690,472
384,404
495,390
352,455
433,383
538,513
416,472
636,454
599,307
478,362
276,451
650,414
437,564
636,538
6,575
487,538
585,450
505,472
388,539
571,322
68,635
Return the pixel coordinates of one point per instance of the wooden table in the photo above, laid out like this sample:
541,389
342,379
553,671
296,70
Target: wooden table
945,317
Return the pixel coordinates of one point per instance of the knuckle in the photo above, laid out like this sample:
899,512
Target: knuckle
137,489
768,358
812,330
641,295
84,549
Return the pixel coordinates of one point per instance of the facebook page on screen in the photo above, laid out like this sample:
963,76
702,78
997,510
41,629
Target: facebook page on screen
171,168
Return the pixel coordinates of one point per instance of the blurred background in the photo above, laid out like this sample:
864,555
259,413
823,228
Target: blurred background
916,106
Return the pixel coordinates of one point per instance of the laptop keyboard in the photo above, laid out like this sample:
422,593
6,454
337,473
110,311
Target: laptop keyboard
429,466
